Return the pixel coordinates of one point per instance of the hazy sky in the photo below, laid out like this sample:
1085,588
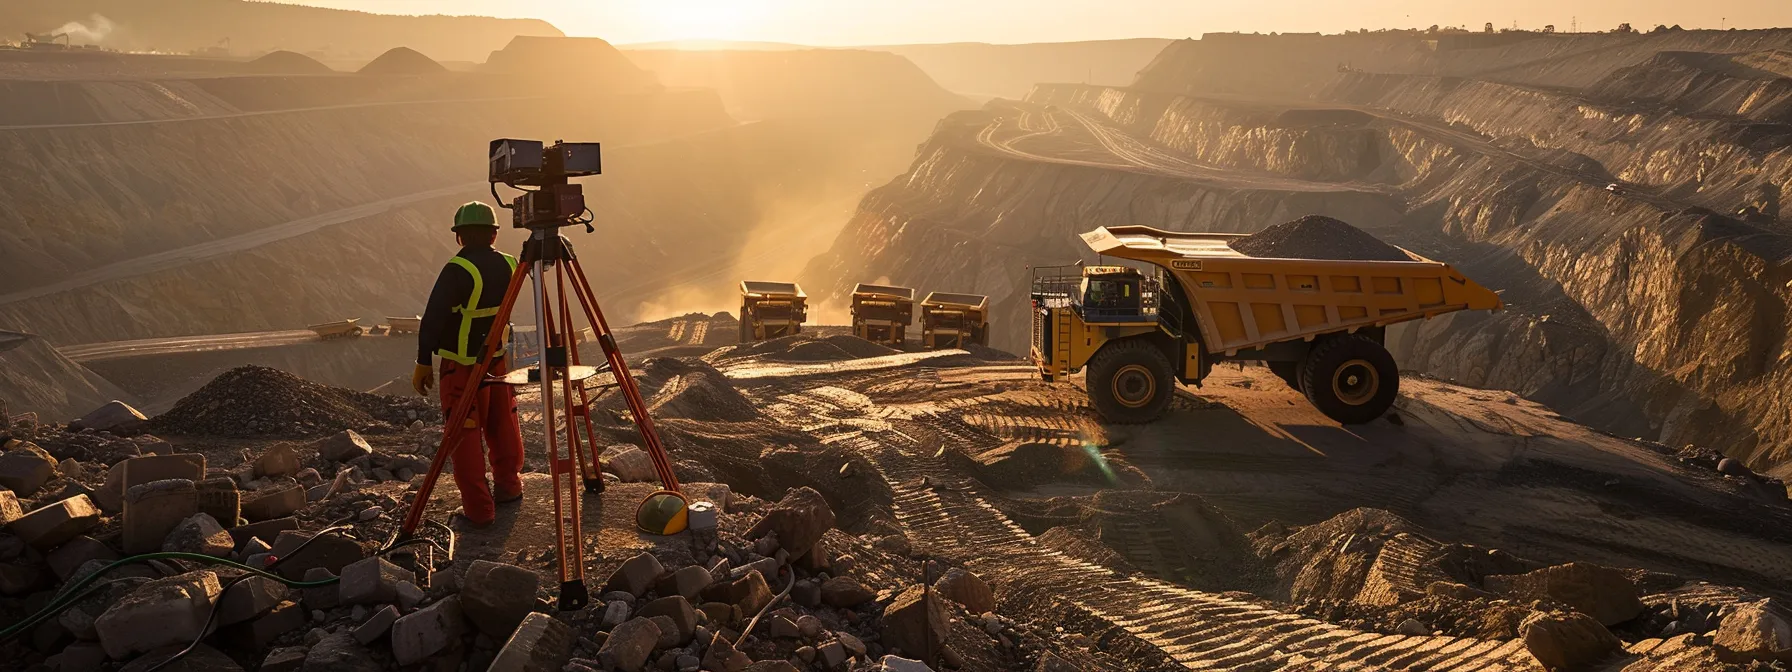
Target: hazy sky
848,22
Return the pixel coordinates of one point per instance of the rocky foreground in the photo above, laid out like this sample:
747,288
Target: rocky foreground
894,528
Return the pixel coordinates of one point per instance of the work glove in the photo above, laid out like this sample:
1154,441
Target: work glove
422,379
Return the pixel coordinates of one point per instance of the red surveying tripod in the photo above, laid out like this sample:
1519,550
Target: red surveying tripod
558,366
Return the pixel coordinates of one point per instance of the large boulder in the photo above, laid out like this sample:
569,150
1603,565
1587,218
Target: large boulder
680,612
1604,593
963,587
540,644
427,631
166,611
50,525
25,467
629,463
339,652
115,415
629,644
199,533
1566,640
635,575
497,596
154,509
847,592
371,581
916,622
344,446
135,471
1756,630
798,520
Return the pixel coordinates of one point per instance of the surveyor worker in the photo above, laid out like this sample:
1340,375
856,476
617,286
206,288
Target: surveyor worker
462,309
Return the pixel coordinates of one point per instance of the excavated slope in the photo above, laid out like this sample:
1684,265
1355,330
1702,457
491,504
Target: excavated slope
1657,308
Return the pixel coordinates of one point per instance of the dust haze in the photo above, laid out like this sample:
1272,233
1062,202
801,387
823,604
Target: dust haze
1460,348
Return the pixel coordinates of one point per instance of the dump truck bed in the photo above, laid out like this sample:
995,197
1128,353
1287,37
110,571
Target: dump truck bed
1241,302
771,290
889,292
961,301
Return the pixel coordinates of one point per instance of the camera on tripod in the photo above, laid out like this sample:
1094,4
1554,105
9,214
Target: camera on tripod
530,163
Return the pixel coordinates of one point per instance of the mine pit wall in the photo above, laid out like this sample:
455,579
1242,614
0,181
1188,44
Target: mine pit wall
1718,164
1662,324
93,195
1227,135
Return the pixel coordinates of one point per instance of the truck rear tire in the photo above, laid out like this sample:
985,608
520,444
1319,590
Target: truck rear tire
1289,372
1130,382
1350,378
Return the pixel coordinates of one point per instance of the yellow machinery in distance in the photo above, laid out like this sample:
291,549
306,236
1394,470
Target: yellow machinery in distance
771,310
1318,324
882,313
954,320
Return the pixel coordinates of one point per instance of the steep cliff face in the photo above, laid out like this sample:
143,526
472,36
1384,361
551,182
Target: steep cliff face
1656,307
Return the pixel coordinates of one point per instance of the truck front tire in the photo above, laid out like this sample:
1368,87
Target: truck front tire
1130,382
1350,378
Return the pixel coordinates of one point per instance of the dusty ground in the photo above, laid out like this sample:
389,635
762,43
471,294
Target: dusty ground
1104,543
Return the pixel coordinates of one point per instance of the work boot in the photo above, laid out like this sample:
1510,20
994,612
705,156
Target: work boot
461,521
502,497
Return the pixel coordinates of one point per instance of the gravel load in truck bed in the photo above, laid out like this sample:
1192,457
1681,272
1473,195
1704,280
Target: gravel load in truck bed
1317,237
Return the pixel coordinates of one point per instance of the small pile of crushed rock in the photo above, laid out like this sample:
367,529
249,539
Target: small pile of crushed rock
253,401
1317,237
695,390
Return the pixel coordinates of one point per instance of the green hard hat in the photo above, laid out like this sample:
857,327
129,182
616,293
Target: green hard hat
475,215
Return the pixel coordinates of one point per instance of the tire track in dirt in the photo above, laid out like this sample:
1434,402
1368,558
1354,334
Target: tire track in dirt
946,514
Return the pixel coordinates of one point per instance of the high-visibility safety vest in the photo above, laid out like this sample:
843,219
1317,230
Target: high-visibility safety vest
464,352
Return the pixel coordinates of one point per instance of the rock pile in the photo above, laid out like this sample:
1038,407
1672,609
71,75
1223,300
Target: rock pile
255,401
1317,237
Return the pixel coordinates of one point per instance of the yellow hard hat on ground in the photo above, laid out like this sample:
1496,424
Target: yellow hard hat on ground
663,513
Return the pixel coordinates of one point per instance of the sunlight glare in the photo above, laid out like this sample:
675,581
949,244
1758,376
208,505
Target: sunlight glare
702,19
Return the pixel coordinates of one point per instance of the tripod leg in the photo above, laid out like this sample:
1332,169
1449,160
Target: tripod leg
631,393
457,417
589,470
573,593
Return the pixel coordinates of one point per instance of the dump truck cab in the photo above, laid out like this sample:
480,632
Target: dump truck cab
882,313
1318,324
771,310
951,320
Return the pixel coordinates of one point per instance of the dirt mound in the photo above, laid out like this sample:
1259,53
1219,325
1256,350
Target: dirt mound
859,348
1317,237
694,390
402,61
253,401
287,63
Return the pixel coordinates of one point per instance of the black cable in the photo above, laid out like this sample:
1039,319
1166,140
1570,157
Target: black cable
210,616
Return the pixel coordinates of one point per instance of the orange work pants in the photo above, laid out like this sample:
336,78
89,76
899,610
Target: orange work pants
494,416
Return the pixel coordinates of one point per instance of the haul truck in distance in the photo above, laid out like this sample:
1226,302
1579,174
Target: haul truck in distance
881,313
1318,324
771,309
951,320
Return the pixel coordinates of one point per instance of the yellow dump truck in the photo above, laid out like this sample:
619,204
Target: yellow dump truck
771,310
1318,324
338,329
404,325
882,313
954,320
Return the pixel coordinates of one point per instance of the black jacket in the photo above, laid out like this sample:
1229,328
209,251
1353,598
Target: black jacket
441,323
